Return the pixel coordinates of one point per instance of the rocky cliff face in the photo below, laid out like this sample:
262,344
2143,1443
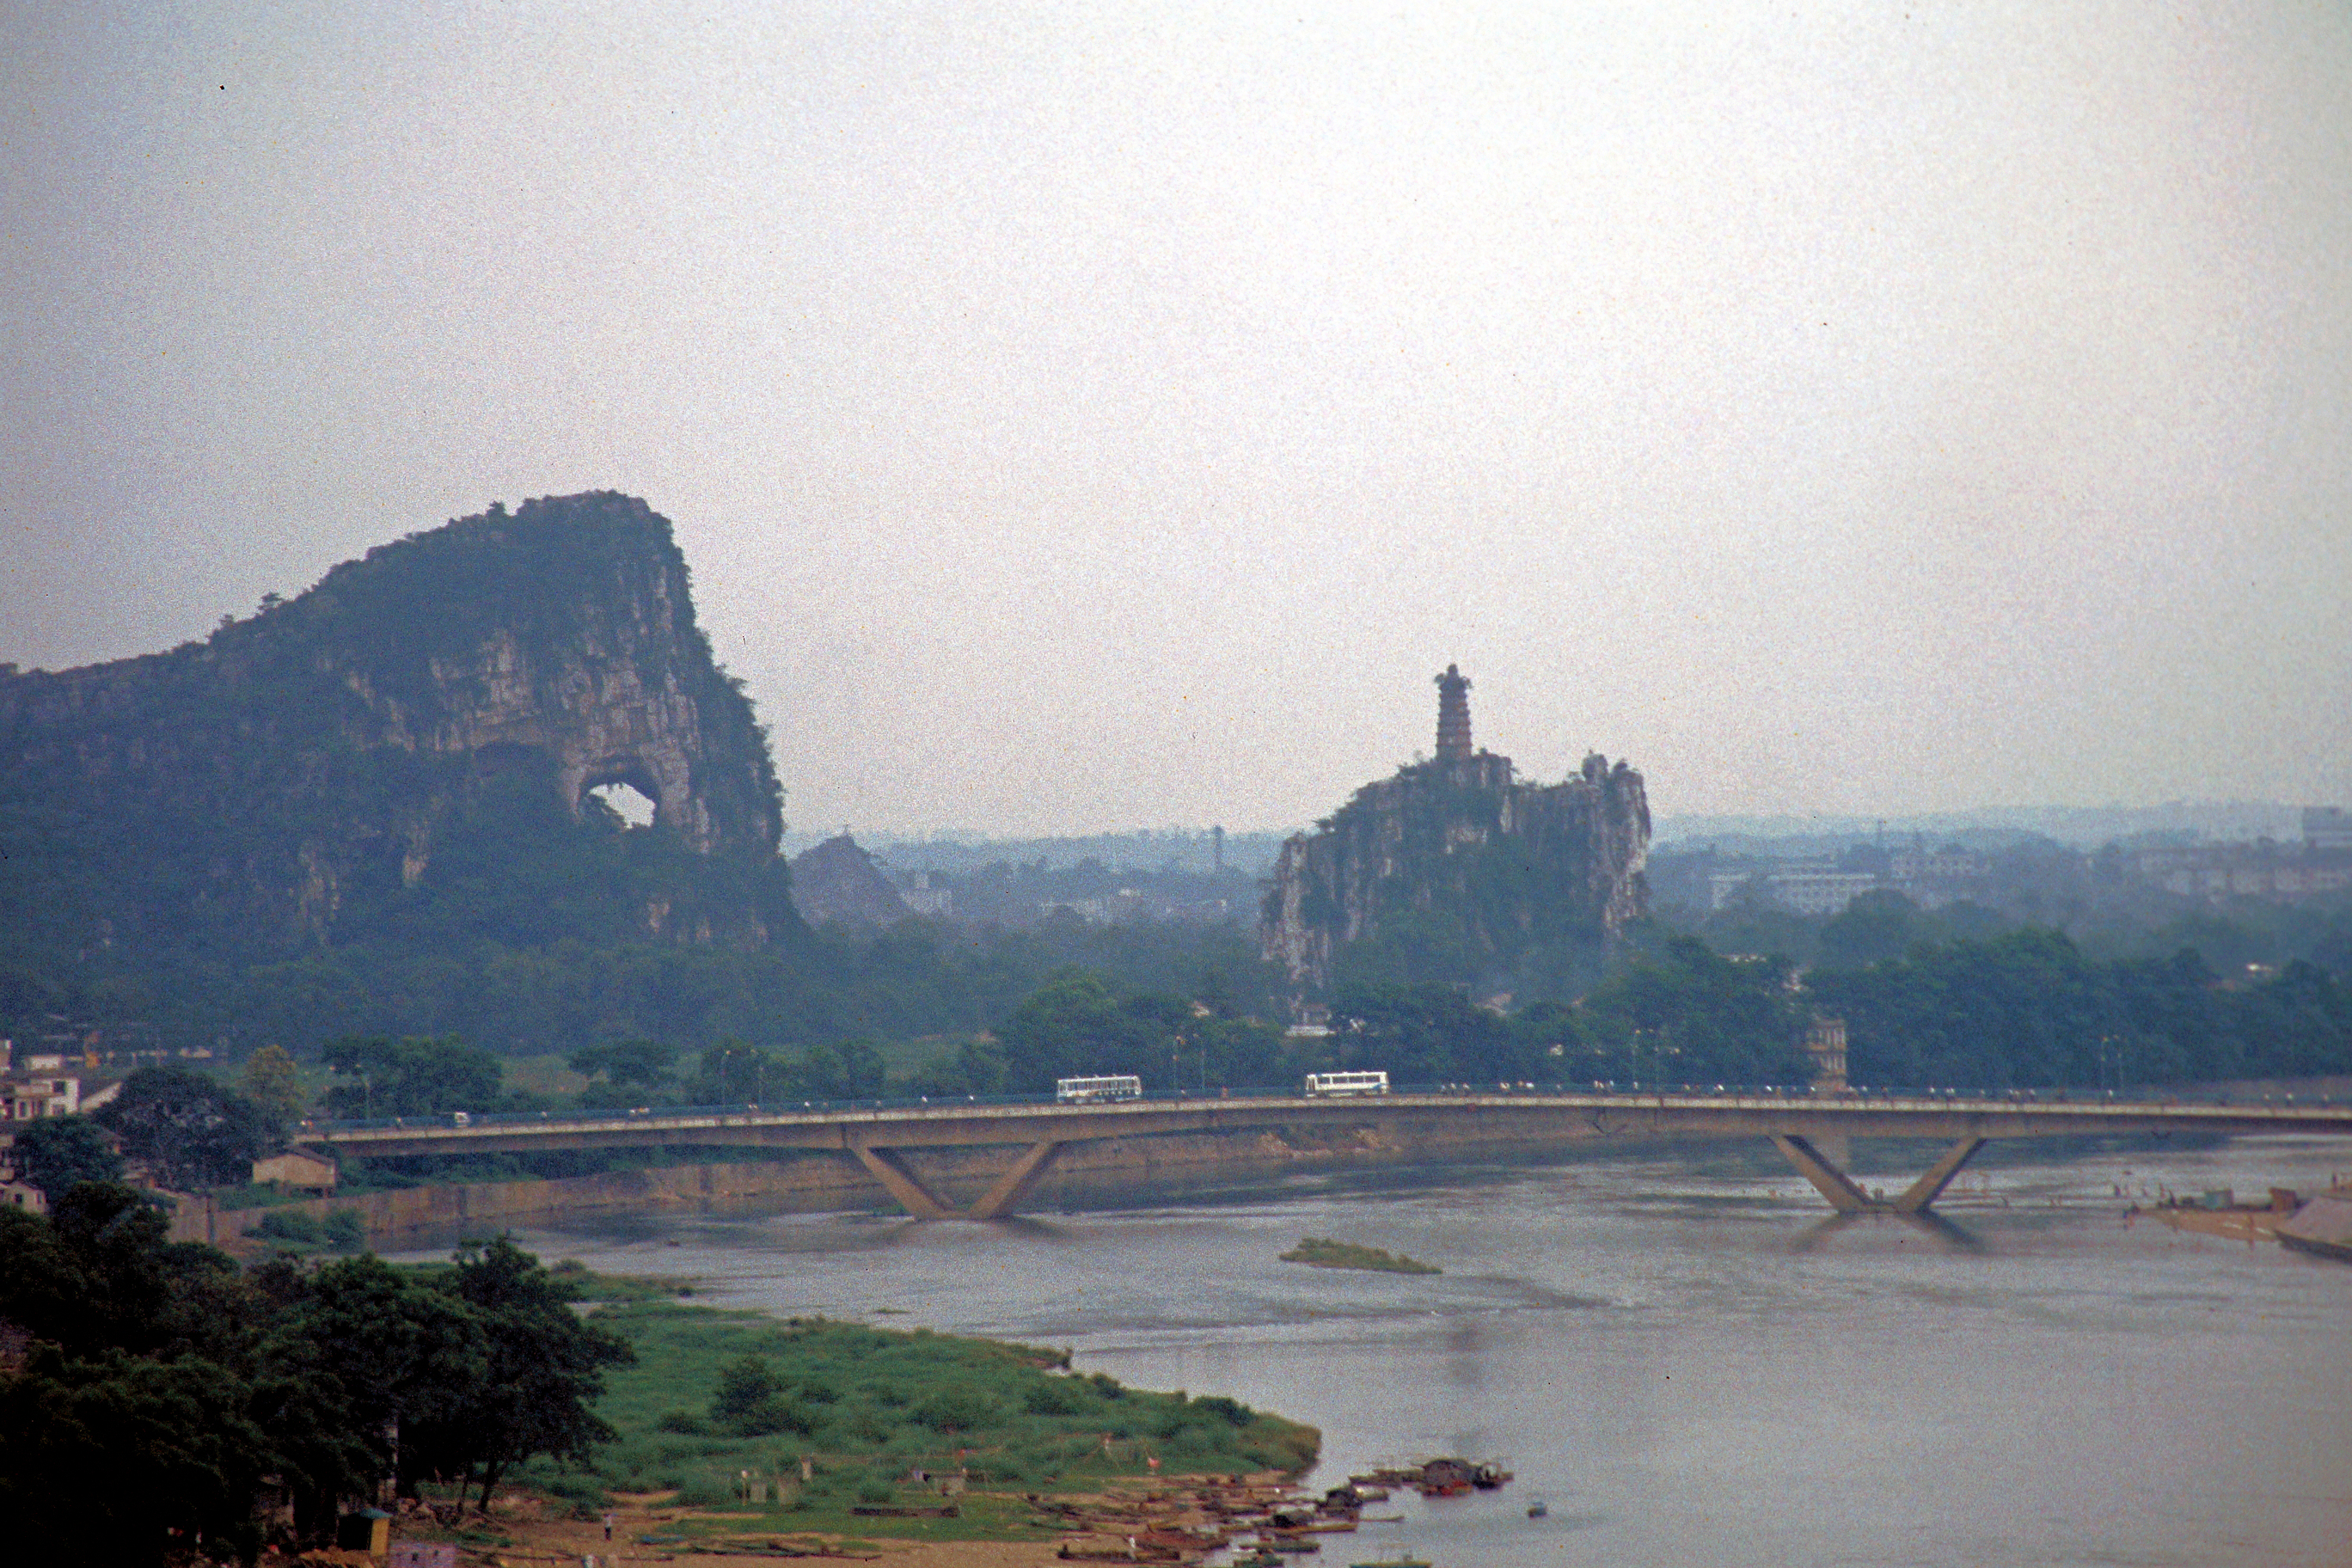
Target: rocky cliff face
254,784
1494,865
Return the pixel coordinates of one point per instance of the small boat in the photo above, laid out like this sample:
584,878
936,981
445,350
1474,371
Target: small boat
1402,1559
1538,1508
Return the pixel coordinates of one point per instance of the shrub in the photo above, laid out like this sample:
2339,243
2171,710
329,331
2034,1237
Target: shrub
1231,1410
742,1386
345,1230
581,1490
289,1224
753,1402
1054,1396
772,1415
681,1421
867,1426
957,1408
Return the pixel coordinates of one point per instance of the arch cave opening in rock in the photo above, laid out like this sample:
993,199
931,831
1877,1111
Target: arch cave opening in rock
633,806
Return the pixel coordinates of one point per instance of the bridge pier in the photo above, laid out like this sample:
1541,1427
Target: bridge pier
923,1203
1929,1187
901,1182
1014,1185
1845,1197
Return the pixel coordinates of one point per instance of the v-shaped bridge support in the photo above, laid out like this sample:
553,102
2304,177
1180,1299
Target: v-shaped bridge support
923,1203
1847,1198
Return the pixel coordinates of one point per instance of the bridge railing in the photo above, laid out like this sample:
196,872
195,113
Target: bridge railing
1630,1091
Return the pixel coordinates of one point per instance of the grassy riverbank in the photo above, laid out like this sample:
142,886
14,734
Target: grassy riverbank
1318,1253
716,1393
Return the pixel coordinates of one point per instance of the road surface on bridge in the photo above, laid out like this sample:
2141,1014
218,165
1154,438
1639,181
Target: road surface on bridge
1796,1122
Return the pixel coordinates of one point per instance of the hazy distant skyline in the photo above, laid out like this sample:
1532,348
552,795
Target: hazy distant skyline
1080,419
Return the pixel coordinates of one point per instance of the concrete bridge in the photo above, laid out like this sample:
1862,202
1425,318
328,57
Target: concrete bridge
1034,1133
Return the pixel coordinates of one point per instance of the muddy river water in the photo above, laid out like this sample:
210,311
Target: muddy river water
1680,1352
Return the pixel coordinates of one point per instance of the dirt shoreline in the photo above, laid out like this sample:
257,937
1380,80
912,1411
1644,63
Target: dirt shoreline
544,1530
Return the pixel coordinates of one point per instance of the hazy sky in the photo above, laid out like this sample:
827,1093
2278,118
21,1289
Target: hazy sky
1113,416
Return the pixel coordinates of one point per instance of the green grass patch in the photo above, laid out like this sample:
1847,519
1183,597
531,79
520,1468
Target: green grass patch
1318,1253
716,1393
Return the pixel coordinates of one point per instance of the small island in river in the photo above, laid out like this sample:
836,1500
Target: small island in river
1319,1253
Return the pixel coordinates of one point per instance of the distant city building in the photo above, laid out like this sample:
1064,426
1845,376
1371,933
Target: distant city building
925,896
2274,872
1802,890
1821,887
1825,1050
2326,827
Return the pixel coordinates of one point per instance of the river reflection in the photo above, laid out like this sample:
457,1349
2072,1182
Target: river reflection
1680,1354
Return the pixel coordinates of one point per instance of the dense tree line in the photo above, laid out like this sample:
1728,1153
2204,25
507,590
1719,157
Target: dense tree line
2022,1008
153,1393
2027,1009
923,977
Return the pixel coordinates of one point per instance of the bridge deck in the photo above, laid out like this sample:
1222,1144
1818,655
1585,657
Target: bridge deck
1577,1115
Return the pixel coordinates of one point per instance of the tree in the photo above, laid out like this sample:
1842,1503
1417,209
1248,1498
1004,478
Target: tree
1082,1022
190,1132
411,1077
126,1423
543,1363
157,1386
54,1152
273,1082
1684,1011
104,1462
641,1062
102,1272
851,1069
1874,926
2027,1009
1428,1033
365,1365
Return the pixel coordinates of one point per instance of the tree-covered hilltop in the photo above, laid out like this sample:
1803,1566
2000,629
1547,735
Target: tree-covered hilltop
1455,870
371,809
414,730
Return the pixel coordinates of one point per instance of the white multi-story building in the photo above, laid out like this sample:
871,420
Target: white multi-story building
25,1099
1800,888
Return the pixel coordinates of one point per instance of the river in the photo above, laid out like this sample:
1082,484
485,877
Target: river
1681,1353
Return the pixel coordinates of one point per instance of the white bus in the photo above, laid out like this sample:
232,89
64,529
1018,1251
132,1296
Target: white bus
1322,1083
1088,1090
